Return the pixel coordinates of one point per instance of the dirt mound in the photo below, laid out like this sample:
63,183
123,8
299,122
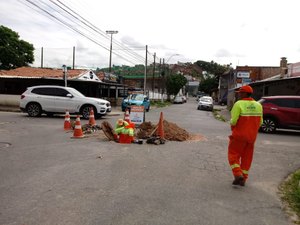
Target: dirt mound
171,130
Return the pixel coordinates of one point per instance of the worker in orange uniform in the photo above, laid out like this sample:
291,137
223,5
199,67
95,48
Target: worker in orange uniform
246,118
125,128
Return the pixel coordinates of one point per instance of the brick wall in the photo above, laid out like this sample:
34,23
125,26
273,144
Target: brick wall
259,73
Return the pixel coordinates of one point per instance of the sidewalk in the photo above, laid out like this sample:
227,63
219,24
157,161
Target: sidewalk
115,110
224,112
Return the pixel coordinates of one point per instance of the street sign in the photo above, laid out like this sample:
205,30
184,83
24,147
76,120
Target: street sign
243,74
137,114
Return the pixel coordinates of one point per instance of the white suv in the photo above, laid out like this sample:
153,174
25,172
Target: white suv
57,99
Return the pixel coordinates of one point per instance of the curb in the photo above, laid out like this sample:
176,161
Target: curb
9,109
16,109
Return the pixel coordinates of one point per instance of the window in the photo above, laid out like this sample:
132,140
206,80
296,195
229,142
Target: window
286,103
42,91
51,91
297,103
60,92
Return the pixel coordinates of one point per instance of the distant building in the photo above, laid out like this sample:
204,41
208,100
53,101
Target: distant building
265,81
294,70
15,82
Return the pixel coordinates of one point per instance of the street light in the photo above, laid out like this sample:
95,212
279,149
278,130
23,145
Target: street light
171,57
111,32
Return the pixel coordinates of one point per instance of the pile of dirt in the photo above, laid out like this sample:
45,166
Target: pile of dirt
171,130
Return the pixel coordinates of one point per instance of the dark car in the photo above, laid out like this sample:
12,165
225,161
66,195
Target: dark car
280,112
201,94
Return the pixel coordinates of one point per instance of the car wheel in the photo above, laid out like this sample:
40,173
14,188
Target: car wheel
268,126
34,109
85,111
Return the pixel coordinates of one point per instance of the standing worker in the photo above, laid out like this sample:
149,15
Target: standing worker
246,118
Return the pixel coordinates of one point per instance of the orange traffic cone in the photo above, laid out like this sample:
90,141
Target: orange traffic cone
92,120
160,129
127,116
67,124
78,130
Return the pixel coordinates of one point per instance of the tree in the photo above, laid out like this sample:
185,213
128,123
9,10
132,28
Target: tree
208,85
212,67
213,71
14,52
174,83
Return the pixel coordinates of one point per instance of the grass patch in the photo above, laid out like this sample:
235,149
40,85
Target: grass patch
290,194
160,104
218,116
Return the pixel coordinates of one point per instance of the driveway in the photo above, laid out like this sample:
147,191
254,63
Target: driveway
46,177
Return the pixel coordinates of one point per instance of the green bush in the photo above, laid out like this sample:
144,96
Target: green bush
159,103
290,190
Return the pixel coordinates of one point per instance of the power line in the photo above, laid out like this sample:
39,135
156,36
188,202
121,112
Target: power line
94,28
51,16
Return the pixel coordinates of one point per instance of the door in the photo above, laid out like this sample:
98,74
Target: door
287,112
64,100
45,97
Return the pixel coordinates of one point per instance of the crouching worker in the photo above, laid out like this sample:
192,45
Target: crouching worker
124,131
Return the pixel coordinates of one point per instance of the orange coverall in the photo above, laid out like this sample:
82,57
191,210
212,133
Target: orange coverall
246,118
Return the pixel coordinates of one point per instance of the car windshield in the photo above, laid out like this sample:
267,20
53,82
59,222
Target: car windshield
137,97
206,99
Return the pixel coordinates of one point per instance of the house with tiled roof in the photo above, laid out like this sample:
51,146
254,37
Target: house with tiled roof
15,82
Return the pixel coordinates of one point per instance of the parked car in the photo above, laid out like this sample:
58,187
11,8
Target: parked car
280,112
178,99
136,99
52,99
206,102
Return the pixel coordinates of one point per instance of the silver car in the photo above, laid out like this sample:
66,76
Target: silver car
206,102
50,99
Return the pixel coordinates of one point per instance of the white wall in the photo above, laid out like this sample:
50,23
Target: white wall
10,100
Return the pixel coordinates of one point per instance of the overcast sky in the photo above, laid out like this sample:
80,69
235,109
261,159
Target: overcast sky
240,32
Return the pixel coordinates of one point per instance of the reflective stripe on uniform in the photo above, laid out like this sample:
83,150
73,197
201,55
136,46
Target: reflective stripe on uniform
235,166
250,114
245,171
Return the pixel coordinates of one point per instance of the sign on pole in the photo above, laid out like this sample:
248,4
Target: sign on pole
137,114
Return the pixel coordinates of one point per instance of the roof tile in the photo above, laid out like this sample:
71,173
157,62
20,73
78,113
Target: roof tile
40,72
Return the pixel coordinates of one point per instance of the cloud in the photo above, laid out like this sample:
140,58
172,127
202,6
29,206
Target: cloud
223,53
237,37
131,42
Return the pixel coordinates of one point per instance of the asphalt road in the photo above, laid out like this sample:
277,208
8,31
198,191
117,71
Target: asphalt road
47,177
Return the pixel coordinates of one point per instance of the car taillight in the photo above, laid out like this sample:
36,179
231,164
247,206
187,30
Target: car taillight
22,96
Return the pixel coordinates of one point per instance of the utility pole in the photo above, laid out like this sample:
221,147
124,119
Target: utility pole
73,57
111,32
145,74
65,74
42,57
159,77
163,80
153,75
